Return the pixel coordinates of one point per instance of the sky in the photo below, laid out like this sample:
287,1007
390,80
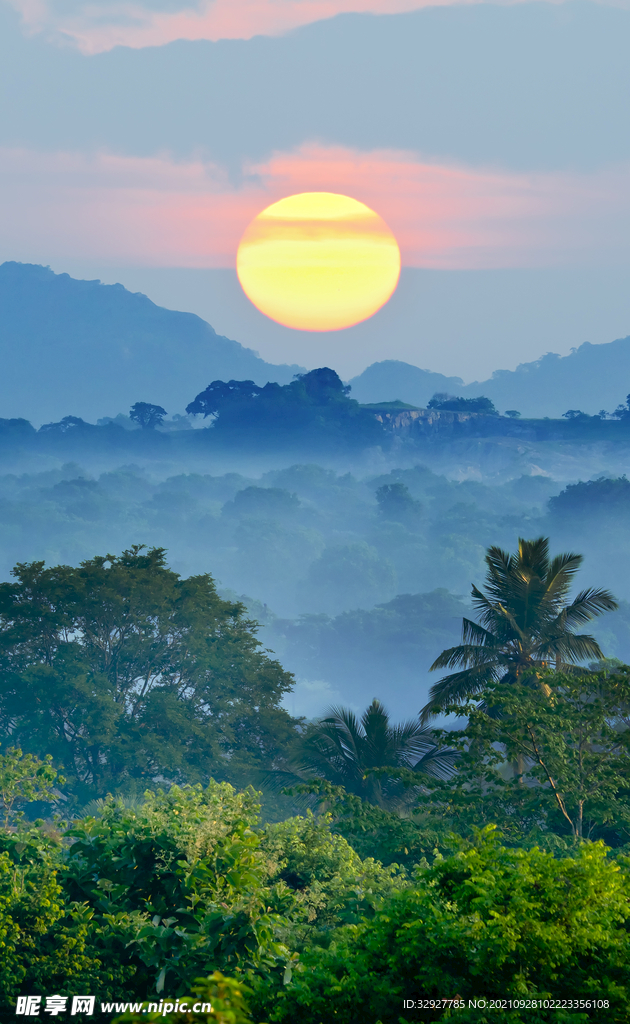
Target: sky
138,140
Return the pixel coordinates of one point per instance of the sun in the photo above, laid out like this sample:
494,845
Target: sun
318,261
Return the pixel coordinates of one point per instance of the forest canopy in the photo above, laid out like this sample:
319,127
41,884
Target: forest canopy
489,859
127,674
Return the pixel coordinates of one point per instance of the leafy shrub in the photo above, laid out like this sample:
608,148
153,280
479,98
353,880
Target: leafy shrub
46,939
488,921
329,881
178,884
226,996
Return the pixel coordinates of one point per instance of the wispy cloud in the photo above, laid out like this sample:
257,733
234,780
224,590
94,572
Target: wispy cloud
159,212
100,25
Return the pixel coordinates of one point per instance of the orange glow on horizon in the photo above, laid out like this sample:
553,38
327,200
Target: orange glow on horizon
318,261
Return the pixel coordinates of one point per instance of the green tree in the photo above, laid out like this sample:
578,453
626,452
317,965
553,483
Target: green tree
177,885
328,880
46,939
346,750
395,502
313,409
142,897
452,403
24,779
526,625
572,750
148,416
125,673
590,501
575,748
487,922
393,839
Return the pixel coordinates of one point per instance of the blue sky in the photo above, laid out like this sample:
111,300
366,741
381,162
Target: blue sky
492,138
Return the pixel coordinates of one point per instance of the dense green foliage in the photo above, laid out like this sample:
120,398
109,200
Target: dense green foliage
549,767
140,902
485,862
486,922
606,498
23,780
125,673
179,882
143,897
227,998
452,403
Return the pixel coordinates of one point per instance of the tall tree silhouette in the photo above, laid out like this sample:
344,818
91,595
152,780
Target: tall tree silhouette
147,415
526,624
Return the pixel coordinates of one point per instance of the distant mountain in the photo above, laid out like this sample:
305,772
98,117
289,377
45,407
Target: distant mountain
86,349
591,378
386,382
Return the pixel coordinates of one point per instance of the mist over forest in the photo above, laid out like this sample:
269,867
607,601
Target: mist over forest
349,522
218,618
356,561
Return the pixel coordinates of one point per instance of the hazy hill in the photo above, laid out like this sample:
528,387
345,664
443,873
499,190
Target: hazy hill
591,378
387,380
86,349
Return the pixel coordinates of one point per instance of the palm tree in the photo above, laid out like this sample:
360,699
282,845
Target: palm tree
343,750
526,624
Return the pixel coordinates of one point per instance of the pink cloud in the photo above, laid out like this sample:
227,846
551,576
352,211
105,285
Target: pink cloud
101,25
157,212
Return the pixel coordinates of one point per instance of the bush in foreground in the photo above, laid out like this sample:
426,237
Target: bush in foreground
487,922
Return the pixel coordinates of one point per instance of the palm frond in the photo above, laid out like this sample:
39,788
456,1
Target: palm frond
500,568
375,725
458,687
276,780
560,575
329,764
342,718
533,556
499,561
411,741
440,763
576,647
472,632
469,655
588,605
507,621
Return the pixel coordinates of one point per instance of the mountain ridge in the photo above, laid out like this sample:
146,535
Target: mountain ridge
86,349
590,378
82,348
